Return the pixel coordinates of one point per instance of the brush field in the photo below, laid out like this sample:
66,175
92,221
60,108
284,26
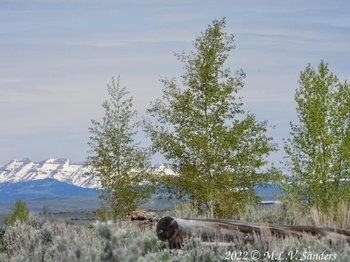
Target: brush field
58,237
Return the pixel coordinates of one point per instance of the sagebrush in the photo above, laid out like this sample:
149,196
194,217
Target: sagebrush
40,240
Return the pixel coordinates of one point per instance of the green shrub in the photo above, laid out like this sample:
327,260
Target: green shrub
104,213
19,213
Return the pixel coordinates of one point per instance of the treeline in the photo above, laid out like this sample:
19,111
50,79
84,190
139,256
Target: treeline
219,151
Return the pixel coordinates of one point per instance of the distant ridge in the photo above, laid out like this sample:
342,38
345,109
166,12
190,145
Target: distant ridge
41,189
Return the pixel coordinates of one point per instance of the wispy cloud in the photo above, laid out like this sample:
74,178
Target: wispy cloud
127,41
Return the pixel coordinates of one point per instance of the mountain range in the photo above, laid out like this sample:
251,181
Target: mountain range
62,170
62,181
48,179
46,188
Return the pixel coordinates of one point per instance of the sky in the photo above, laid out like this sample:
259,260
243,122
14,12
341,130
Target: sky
57,56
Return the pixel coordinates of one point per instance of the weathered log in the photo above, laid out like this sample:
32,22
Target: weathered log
143,219
143,215
175,230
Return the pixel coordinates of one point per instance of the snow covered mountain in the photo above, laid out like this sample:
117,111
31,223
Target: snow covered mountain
59,182
59,169
62,170
59,178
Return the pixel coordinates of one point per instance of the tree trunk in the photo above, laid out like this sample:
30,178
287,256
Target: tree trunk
176,230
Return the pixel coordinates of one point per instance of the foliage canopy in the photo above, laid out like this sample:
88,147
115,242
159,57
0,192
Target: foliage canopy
217,149
318,151
119,163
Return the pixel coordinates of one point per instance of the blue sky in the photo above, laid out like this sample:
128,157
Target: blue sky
56,58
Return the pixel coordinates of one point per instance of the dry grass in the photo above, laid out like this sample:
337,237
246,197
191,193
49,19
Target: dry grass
338,217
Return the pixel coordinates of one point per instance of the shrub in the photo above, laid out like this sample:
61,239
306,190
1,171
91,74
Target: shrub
40,240
19,213
104,213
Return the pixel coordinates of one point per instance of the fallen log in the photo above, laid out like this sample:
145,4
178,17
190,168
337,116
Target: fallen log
176,230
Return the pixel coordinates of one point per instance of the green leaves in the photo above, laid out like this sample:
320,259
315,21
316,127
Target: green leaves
19,213
120,164
200,128
318,151
219,152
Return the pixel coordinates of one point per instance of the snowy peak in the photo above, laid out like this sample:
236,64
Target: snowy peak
62,170
59,169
